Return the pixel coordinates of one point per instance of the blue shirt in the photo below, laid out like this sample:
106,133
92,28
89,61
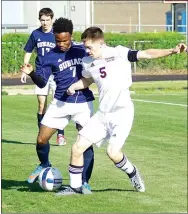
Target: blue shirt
43,42
67,69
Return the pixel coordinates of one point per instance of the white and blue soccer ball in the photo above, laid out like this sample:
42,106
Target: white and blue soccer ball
50,179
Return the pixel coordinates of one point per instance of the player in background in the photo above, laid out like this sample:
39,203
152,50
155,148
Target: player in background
110,69
43,40
65,63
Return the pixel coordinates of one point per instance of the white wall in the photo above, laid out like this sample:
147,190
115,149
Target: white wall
80,14
26,12
12,12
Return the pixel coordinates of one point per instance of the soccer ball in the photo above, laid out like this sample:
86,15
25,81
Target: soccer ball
50,179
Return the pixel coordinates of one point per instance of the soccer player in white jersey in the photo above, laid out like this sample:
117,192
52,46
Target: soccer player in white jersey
110,69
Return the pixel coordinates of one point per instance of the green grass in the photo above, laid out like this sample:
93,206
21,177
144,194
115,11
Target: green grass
157,145
137,86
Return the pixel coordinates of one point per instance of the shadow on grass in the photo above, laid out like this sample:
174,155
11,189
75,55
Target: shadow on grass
18,142
22,186
112,190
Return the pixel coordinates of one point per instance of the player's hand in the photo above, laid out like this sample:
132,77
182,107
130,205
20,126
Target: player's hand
179,48
27,69
23,78
71,90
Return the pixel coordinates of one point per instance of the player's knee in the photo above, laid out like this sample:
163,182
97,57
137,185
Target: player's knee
113,153
77,150
41,139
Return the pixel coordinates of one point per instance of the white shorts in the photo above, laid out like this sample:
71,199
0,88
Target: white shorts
113,127
60,113
50,85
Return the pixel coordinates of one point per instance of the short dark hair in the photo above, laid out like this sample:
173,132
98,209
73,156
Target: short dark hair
62,25
93,33
47,12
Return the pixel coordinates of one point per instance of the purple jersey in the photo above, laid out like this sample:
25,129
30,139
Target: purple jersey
42,42
67,69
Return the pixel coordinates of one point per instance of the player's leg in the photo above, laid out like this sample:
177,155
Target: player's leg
53,120
42,149
61,141
88,156
120,130
121,162
42,104
94,132
82,113
76,167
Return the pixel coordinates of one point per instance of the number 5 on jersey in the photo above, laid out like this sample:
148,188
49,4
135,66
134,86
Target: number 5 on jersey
102,72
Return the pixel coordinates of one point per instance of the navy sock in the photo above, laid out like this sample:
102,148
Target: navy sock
132,174
88,164
60,131
43,153
39,119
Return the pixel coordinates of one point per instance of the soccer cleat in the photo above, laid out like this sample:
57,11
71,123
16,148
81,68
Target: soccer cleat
86,189
69,191
61,140
137,181
34,175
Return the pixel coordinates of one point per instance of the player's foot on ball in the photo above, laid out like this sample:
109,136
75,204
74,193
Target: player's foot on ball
34,175
86,189
69,191
61,140
137,181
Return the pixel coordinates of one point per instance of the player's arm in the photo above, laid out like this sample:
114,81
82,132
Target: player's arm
28,49
81,84
84,82
157,53
27,57
40,77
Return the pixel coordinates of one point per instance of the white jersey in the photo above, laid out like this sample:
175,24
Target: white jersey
112,75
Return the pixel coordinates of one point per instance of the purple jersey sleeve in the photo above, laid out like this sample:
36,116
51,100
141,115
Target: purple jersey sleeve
30,45
45,69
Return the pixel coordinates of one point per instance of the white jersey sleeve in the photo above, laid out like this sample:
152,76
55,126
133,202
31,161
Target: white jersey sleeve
86,61
123,51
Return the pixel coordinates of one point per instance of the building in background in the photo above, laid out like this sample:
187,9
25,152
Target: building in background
177,17
114,16
25,13
139,16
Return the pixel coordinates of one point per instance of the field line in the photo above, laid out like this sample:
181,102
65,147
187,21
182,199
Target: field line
157,102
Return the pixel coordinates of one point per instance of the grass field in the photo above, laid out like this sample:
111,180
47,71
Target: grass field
157,145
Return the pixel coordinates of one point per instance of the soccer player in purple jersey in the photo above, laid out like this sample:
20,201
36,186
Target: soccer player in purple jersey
65,63
43,40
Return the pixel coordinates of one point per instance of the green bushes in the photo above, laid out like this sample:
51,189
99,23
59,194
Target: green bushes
13,53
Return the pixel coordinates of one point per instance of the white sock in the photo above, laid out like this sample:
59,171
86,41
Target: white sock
75,180
75,173
128,167
125,165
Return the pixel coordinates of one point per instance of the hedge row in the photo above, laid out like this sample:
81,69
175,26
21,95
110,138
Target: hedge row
13,44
